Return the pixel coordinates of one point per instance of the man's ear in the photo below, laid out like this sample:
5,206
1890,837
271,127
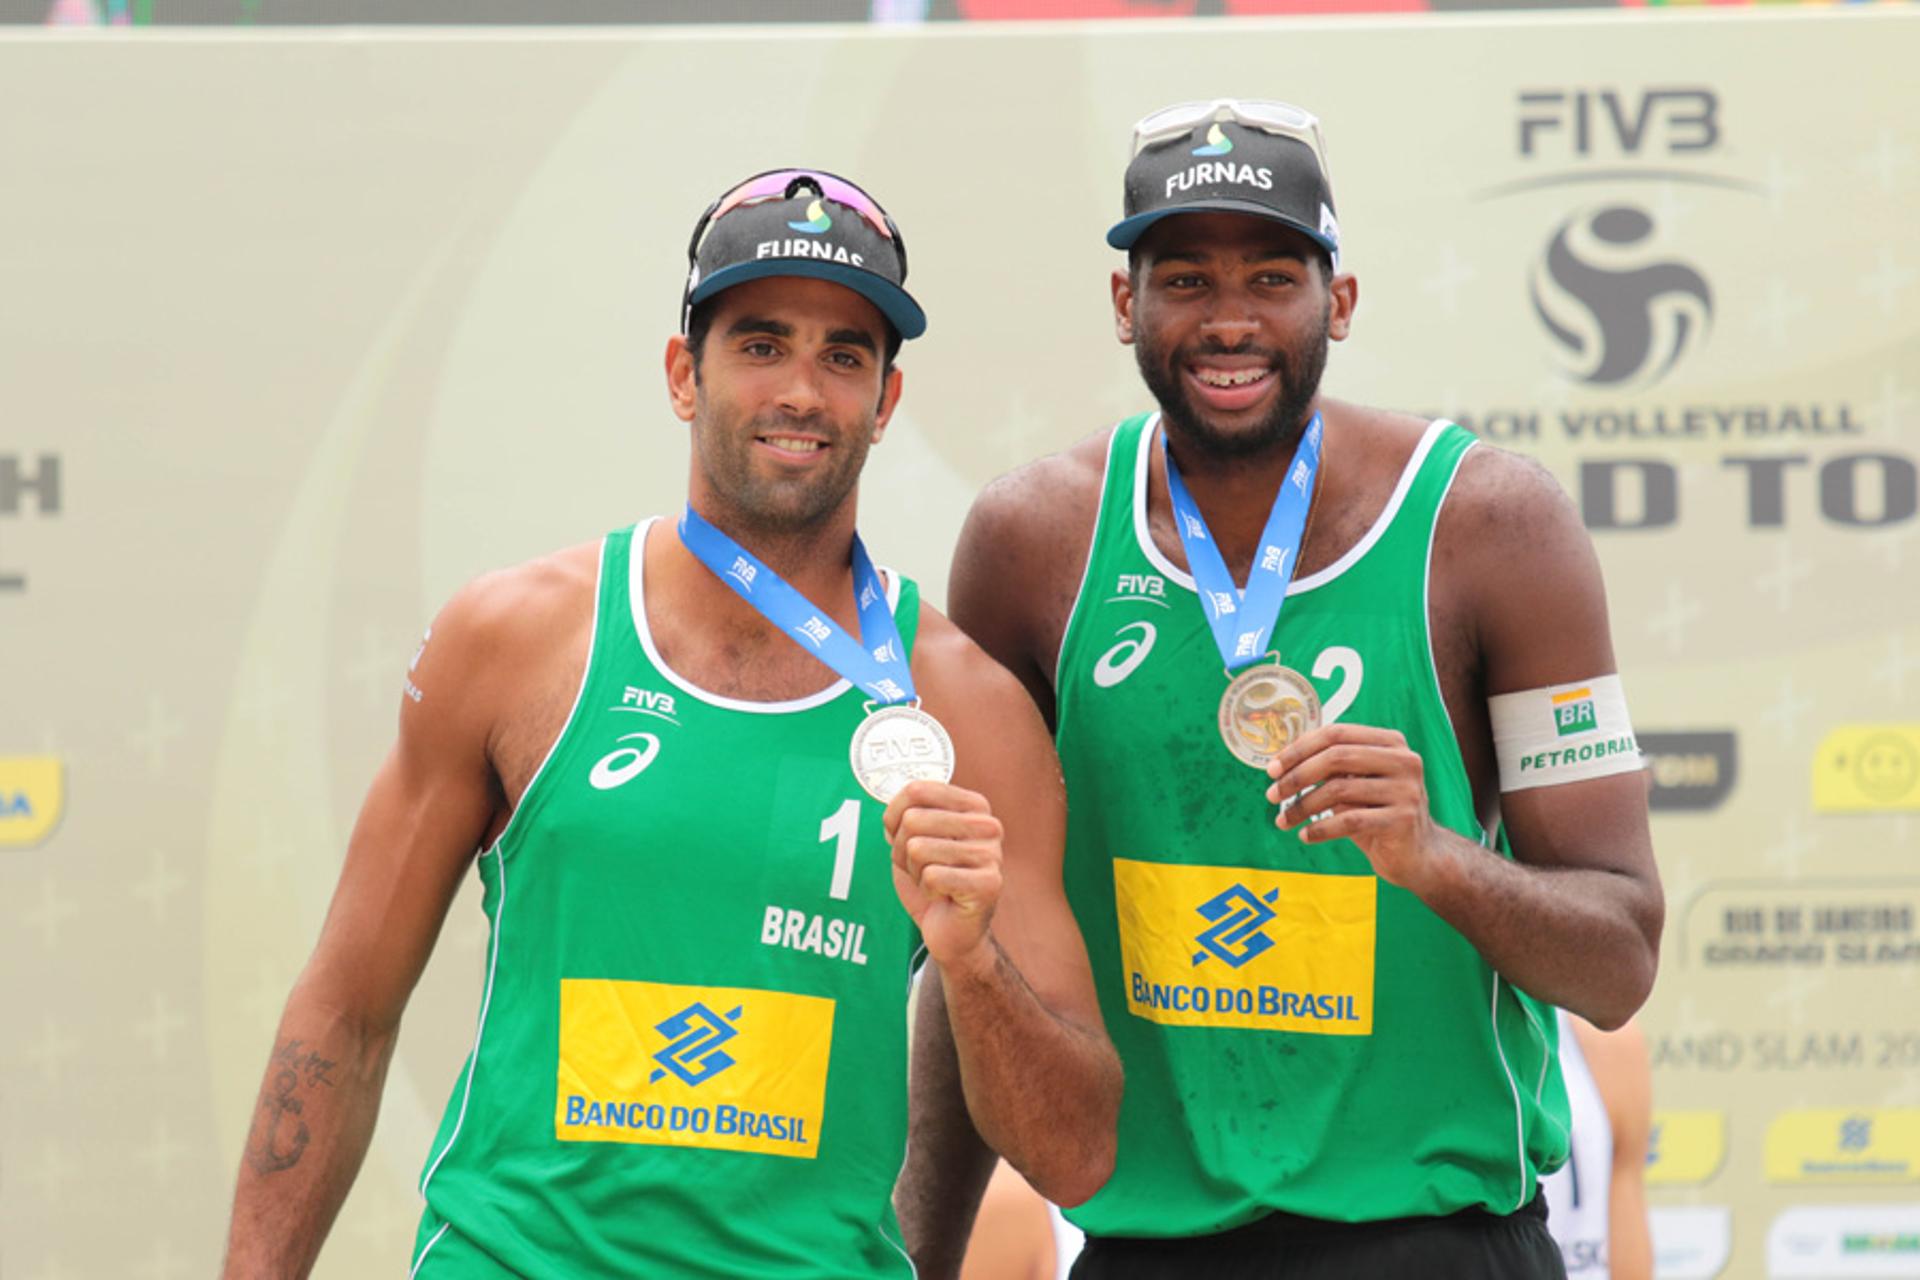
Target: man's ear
1346,296
683,377
889,400
1123,306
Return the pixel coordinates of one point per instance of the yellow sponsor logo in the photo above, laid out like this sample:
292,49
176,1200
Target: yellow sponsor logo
1685,1148
32,794
1868,768
725,1068
1245,947
1842,1145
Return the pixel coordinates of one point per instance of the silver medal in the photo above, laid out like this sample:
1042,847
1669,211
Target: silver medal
896,745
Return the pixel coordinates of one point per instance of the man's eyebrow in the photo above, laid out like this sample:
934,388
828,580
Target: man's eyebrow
853,338
759,324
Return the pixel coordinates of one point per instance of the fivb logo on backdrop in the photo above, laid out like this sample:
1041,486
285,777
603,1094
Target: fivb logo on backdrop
1634,214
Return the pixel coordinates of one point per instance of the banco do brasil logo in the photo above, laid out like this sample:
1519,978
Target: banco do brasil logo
1238,918
1619,310
695,1035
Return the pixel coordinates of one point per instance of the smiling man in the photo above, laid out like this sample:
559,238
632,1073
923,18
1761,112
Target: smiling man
680,755
1353,796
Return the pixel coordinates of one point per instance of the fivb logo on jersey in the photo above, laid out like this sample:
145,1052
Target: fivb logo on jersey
653,1063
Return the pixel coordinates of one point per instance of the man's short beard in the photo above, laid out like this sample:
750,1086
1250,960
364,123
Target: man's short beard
1299,370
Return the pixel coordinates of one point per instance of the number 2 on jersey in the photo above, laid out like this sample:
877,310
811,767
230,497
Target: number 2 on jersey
842,827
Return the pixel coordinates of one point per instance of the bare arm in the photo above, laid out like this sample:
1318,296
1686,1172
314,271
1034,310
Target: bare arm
1575,917
1618,1060
1040,1078
426,812
947,1165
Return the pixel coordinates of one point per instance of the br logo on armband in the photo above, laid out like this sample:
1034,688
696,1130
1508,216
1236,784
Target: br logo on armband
654,1063
1563,733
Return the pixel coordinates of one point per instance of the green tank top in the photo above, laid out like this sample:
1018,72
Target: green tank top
691,1054
1298,1035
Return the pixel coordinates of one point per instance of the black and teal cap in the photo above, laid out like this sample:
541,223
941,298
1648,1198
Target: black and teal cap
1224,166
801,222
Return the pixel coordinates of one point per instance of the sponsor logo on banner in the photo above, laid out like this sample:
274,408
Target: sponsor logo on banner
1836,1145
33,794
1693,771
1685,1148
1621,291
1835,1241
1245,947
1852,925
29,485
1868,768
1691,1243
1619,312
721,1068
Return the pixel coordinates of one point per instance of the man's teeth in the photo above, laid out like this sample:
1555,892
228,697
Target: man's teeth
1229,377
792,445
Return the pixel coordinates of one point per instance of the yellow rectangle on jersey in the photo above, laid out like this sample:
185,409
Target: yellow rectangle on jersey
724,1068
1868,768
1245,947
1686,1147
32,794
1845,1145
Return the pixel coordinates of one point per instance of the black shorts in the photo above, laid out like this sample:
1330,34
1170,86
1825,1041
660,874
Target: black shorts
1471,1245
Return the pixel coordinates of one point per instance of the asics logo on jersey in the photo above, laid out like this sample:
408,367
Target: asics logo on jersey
1238,918
696,1034
647,702
1117,663
623,764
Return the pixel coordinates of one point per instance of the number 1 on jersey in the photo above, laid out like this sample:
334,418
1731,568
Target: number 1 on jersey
843,828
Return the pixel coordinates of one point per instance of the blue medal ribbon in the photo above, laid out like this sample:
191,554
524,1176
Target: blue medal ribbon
1243,620
876,662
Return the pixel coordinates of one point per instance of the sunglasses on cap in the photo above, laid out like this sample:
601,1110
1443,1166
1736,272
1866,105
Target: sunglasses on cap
784,184
1280,118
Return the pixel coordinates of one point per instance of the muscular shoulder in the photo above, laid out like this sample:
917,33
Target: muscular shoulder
1021,553
1513,559
505,611
997,731
954,672
503,627
1034,504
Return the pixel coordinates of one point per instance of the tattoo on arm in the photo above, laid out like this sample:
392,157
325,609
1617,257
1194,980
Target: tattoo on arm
281,1136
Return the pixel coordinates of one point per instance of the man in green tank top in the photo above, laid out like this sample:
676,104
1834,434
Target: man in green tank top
1354,801
700,802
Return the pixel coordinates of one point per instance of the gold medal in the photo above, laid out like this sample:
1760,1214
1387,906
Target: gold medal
1266,707
900,744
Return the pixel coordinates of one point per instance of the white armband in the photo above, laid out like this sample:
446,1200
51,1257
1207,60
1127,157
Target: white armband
1563,733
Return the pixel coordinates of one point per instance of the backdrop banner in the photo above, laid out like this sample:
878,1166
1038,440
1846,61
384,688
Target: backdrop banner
299,333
